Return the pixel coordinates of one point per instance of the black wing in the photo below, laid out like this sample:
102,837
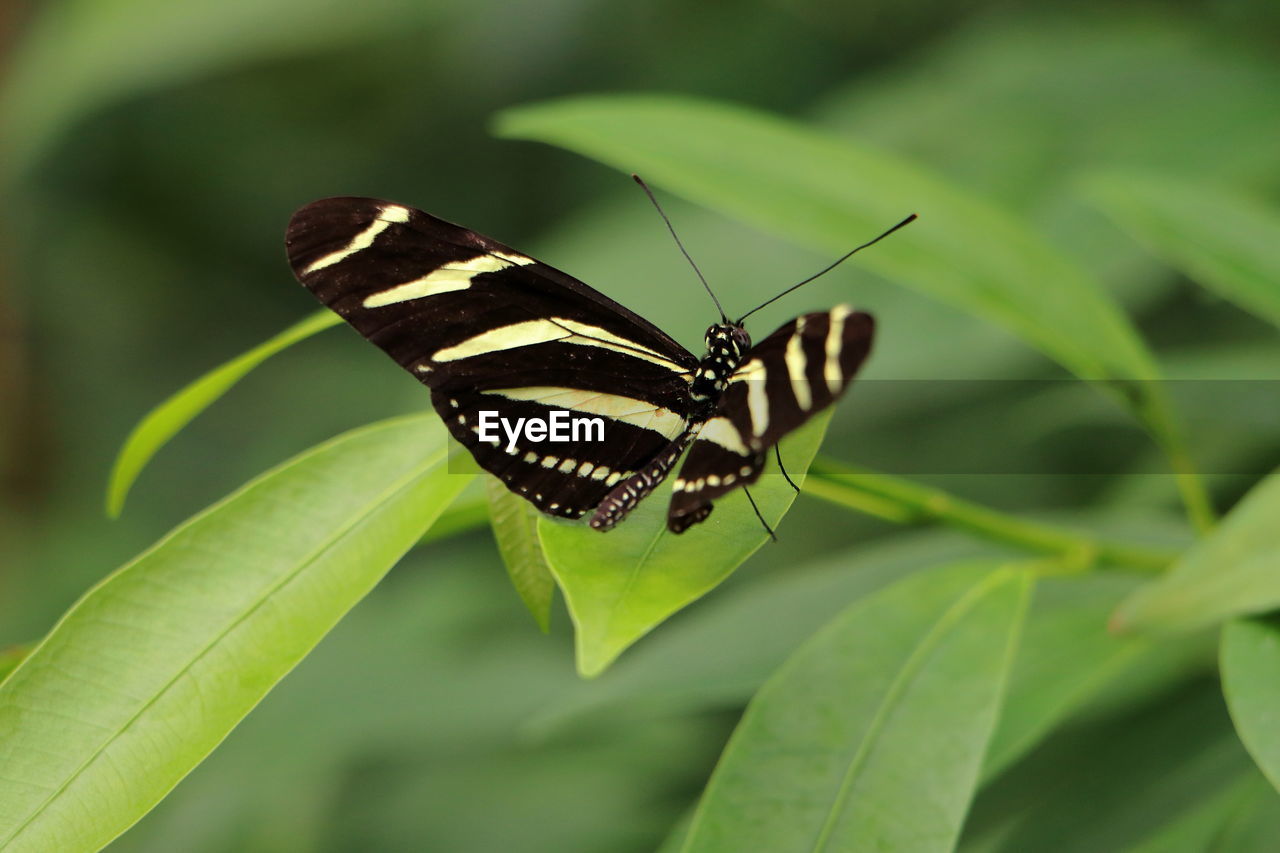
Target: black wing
488,328
783,381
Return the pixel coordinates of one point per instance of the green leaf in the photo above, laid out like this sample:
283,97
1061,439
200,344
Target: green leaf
1224,240
1234,571
1219,816
167,420
717,657
469,511
831,193
1254,821
147,673
620,585
1115,782
1070,665
1009,121
10,657
1065,656
871,736
1250,660
515,528
679,833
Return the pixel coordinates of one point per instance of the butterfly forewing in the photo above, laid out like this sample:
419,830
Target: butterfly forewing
784,380
490,329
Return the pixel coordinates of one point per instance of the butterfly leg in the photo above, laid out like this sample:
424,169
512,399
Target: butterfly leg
628,493
778,455
767,528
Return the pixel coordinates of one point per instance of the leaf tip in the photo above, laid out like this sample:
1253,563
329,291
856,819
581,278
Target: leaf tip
592,663
117,489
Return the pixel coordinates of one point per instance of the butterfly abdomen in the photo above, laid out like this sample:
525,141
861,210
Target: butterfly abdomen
726,344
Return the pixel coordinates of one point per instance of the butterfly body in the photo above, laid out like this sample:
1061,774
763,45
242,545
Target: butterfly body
726,344
492,331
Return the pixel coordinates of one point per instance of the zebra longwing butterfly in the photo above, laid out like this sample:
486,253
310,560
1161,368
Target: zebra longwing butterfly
489,329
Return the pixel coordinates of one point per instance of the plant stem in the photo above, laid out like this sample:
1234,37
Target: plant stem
904,502
1156,412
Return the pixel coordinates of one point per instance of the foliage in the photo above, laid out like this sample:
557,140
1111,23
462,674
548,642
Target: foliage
618,589
932,658
166,655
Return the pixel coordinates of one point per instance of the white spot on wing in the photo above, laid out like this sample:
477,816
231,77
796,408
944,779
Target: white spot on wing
613,406
457,275
835,342
559,329
387,216
721,431
754,374
797,365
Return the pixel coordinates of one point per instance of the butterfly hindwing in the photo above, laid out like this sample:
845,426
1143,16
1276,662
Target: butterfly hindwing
490,329
562,477
784,380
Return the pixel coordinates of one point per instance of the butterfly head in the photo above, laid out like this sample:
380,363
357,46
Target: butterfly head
728,340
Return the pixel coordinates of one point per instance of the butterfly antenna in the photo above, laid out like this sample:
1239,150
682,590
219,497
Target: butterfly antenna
674,236
829,268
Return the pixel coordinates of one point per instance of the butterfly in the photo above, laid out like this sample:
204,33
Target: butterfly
502,338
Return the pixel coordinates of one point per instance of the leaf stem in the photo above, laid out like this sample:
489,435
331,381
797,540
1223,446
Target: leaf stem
1194,496
904,502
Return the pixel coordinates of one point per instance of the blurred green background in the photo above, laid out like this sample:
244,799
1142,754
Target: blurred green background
153,152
